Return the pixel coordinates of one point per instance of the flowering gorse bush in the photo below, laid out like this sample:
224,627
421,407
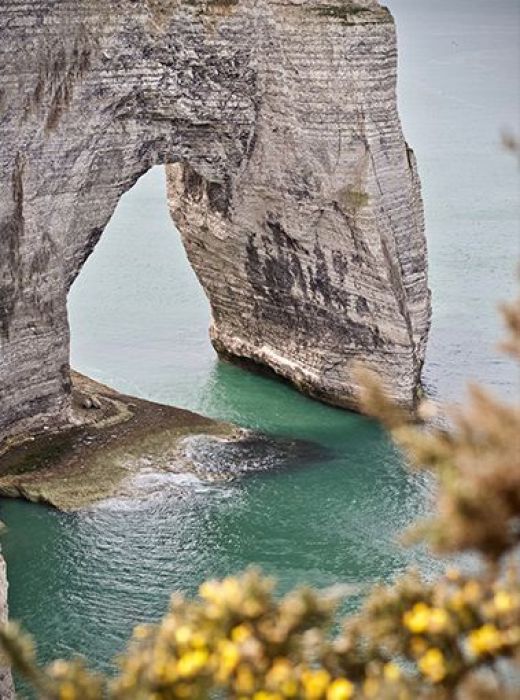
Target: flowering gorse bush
456,637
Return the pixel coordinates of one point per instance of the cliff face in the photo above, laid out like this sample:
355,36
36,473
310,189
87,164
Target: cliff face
312,250
6,680
291,183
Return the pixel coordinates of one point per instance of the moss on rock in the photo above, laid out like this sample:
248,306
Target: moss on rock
102,448
351,13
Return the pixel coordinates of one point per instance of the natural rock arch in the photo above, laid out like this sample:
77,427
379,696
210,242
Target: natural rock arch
295,193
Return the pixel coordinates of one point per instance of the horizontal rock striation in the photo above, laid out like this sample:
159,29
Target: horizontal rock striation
294,190
6,679
313,253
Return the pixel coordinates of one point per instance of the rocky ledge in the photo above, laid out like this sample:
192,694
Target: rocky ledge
120,449
110,440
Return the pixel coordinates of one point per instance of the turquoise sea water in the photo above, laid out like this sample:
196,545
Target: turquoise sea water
139,322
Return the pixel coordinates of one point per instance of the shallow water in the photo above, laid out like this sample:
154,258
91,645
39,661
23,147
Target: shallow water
139,322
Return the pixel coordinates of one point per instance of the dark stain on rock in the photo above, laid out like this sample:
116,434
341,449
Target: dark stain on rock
362,306
41,258
10,231
61,70
273,277
276,269
297,271
280,235
193,183
89,245
320,282
219,196
410,156
66,381
340,265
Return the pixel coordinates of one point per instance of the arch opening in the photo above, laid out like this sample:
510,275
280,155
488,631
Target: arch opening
138,316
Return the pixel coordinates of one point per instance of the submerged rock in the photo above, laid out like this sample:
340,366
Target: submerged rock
216,459
203,463
294,190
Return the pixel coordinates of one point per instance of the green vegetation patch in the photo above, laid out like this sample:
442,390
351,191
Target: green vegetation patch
222,3
351,13
352,199
355,199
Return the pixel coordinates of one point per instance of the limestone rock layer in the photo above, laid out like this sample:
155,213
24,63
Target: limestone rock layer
6,679
295,193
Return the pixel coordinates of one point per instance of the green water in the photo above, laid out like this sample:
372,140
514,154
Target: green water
139,322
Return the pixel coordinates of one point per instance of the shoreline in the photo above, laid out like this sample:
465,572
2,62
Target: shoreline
110,438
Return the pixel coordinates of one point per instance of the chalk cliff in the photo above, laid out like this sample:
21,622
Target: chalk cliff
6,680
293,188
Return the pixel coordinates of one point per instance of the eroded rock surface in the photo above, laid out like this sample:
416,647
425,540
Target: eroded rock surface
121,450
104,450
6,679
294,190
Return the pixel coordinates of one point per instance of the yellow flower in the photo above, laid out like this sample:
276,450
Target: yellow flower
432,665
231,590
505,602
209,590
240,633
67,692
457,601
289,688
422,618
279,672
340,689
439,620
485,640
392,672
266,695
199,640
417,619
229,655
182,634
245,680
315,683
192,662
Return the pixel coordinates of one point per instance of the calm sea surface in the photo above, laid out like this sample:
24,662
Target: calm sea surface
139,322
